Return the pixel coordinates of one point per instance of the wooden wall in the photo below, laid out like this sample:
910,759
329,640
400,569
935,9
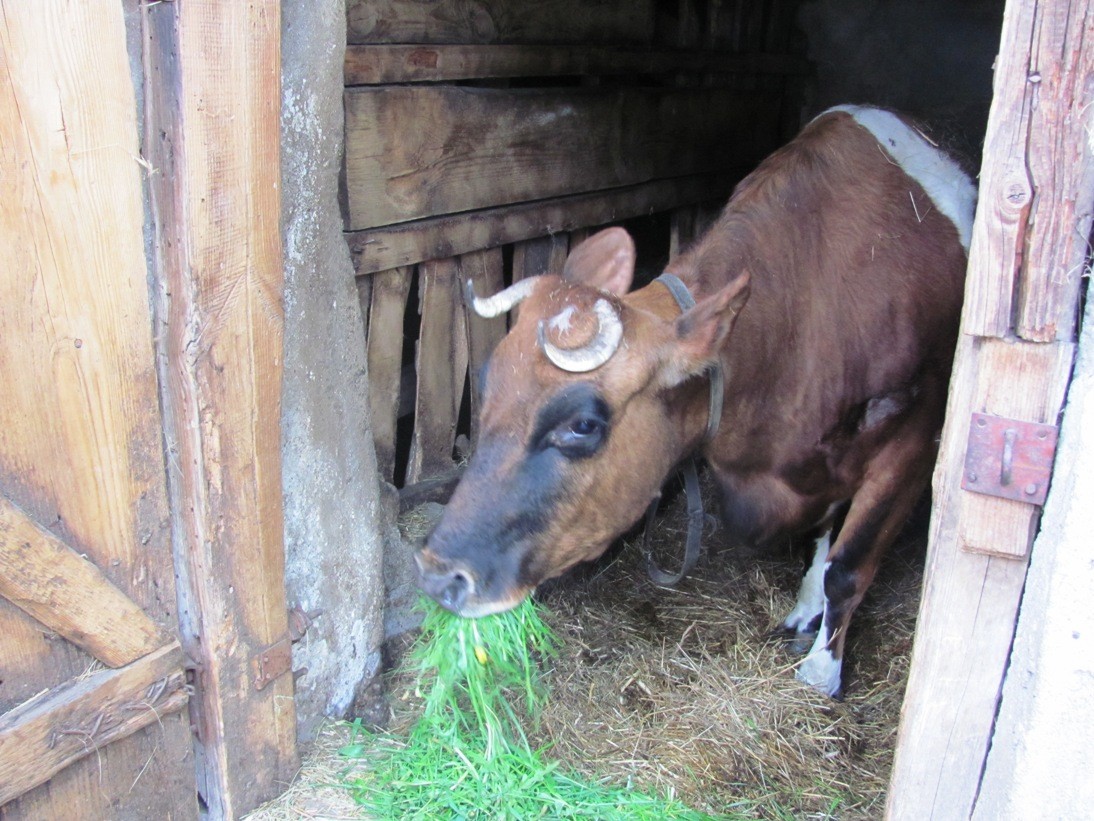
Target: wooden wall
484,139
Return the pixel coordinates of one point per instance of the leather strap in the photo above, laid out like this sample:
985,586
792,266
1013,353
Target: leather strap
696,517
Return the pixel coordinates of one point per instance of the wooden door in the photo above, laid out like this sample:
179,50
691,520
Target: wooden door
93,684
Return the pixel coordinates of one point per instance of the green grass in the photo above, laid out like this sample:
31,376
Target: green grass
468,756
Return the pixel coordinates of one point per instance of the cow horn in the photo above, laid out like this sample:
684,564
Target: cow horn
599,350
501,302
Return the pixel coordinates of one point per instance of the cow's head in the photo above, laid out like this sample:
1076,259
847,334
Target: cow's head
588,403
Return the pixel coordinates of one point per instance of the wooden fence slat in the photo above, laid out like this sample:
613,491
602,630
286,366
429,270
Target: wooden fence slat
54,584
386,64
380,249
543,255
441,367
385,360
52,731
486,270
422,151
214,138
499,21
1028,383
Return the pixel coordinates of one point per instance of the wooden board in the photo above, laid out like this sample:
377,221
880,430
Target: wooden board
1037,183
543,255
1027,383
385,360
379,64
214,106
67,593
441,368
80,431
978,546
499,21
379,249
64,725
420,151
486,271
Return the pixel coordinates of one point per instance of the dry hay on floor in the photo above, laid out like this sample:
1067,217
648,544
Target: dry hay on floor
683,692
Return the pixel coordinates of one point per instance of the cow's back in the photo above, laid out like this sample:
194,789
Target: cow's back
857,278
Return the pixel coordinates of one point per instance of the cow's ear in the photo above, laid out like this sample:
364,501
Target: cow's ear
699,333
605,261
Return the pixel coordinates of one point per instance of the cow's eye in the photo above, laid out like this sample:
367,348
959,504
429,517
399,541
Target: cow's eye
579,437
586,426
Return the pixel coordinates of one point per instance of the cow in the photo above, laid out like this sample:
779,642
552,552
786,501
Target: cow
825,298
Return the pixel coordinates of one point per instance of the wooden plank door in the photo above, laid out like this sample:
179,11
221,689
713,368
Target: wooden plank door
1014,356
93,688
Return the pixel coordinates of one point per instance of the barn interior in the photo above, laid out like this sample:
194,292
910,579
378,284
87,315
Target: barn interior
482,141
240,383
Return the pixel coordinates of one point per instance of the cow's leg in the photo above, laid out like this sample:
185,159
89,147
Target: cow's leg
803,622
895,478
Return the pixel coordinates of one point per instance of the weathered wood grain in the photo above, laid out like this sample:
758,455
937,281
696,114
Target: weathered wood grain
499,21
1037,181
978,551
441,368
80,432
213,107
380,249
384,64
385,360
1060,149
421,151
486,271
76,720
67,593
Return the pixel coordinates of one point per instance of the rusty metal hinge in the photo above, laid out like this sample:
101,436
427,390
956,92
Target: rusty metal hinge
274,660
1009,458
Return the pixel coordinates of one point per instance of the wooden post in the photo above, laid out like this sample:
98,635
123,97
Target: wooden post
1013,359
213,137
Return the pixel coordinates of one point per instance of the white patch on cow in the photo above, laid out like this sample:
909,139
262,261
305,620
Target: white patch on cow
560,322
949,188
821,669
811,594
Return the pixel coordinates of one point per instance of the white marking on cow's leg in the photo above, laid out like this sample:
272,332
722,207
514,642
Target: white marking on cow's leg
810,602
949,188
821,669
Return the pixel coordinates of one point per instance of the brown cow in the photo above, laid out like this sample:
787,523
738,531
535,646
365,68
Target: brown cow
828,292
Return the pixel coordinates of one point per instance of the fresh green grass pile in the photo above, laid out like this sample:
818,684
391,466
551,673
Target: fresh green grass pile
468,756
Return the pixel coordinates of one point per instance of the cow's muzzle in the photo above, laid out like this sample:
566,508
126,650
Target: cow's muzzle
450,583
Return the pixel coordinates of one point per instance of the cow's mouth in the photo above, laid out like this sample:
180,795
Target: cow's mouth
455,587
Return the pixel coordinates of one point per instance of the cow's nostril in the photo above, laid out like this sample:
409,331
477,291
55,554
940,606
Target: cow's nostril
454,594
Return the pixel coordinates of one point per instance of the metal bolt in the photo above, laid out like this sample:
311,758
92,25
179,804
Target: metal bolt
1031,489
973,477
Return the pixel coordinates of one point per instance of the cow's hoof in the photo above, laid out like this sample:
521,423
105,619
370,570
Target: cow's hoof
821,671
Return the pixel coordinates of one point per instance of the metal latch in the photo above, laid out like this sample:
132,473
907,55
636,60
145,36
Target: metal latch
275,660
1009,459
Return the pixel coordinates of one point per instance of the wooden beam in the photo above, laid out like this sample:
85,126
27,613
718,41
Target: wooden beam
420,151
213,112
382,64
66,592
379,249
58,728
499,21
1037,181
